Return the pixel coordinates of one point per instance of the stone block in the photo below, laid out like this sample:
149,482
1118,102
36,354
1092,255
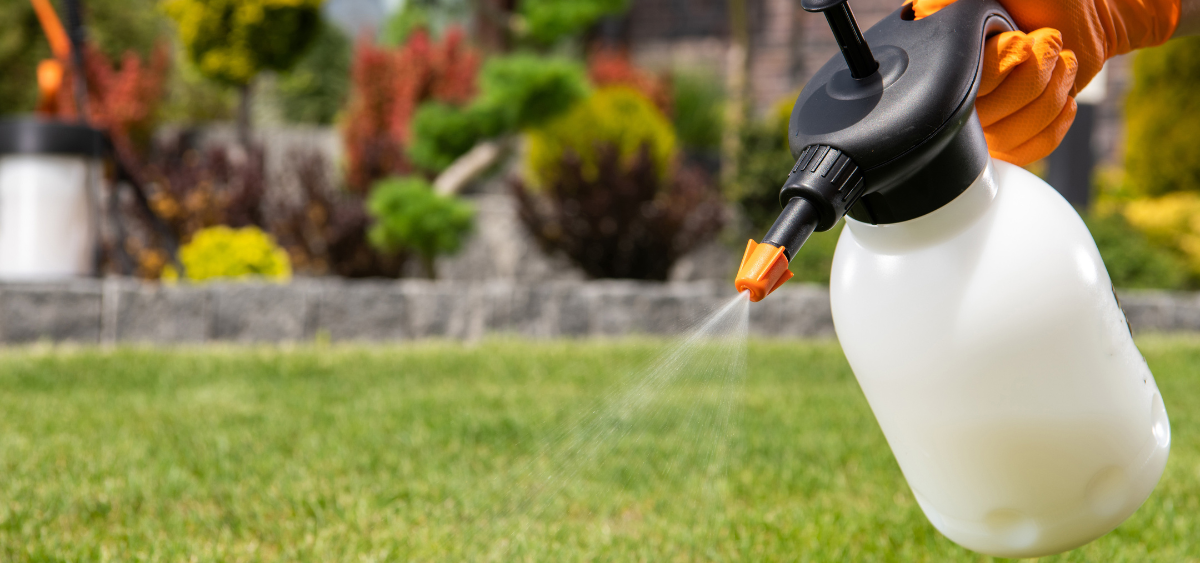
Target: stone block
363,310
155,313
1161,311
799,311
264,312
55,311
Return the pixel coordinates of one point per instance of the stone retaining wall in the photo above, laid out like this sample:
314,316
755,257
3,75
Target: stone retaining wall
126,311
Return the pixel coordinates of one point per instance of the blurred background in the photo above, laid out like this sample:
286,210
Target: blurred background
484,140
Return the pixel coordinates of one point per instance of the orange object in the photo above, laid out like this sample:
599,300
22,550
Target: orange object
50,78
55,33
51,72
764,268
1026,98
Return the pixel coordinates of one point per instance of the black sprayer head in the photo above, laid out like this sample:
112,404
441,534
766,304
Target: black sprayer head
889,133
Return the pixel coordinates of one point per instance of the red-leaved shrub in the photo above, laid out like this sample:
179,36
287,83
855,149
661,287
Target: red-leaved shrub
121,99
387,86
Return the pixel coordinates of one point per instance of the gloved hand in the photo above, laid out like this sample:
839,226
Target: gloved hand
1026,99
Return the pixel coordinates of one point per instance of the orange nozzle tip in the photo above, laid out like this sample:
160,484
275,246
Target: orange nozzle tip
764,268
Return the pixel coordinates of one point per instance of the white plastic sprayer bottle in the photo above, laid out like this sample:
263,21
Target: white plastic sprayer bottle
968,296
991,348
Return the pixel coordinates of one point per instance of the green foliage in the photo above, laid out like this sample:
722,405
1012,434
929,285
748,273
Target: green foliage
191,99
443,133
410,216
348,453
117,26
231,41
316,89
1162,112
224,253
763,166
21,47
619,117
1133,261
699,103
528,90
516,92
551,20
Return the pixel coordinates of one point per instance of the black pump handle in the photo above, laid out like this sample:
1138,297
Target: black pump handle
849,38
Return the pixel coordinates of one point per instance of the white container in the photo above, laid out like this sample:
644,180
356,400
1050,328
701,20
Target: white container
989,343
49,174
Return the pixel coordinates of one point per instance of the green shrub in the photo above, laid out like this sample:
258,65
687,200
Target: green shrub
548,21
699,102
316,89
1162,113
528,90
410,216
1171,221
224,253
1132,260
443,133
516,92
763,166
618,116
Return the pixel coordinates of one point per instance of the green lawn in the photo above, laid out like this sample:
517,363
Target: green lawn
442,452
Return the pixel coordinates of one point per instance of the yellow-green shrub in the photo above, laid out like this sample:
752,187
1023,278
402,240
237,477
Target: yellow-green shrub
231,41
616,116
1172,220
224,253
1162,118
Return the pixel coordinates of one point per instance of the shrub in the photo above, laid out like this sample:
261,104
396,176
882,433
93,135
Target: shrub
621,218
231,41
1131,259
529,90
123,99
613,68
444,133
764,164
224,253
1172,221
548,21
698,119
410,216
617,117
1162,112
316,89
387,86
190,189
516,92
324,230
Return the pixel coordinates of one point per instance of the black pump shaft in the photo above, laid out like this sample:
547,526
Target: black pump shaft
849,38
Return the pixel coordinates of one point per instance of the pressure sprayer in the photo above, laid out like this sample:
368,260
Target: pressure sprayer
968,296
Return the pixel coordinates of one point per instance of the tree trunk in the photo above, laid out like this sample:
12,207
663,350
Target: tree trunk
429,262
737,61
493,22
245,98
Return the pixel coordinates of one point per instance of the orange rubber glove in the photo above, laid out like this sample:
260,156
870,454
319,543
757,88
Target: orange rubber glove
1026,99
